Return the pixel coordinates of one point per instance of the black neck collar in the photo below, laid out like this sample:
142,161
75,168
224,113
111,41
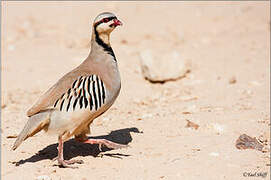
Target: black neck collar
105,46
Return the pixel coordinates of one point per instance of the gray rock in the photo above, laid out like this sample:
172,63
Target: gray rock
170,66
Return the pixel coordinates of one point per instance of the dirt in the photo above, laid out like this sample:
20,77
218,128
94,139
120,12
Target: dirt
226,93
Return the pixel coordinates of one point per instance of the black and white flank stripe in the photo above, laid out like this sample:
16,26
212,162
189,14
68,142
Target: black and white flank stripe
86,92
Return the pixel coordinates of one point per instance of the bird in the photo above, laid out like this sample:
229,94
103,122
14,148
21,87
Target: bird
69,107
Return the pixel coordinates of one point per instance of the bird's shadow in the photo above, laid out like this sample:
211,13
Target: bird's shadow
73,148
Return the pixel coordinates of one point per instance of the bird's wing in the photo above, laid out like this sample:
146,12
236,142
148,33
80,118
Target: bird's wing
74,91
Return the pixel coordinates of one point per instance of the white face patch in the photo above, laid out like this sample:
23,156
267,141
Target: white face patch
103,23
105,28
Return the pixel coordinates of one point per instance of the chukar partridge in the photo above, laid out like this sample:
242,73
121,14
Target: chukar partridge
70,106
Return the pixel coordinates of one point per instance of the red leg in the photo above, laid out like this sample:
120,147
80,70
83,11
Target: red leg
106,143
60,159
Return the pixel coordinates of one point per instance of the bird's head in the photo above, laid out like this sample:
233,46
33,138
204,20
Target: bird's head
105,23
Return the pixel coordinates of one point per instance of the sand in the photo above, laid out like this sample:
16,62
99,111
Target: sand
226,93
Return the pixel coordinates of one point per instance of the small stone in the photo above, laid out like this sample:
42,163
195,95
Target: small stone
215,154
12,136
218,128
190,124
263,140
147,116
170,66
265,149
185,112
3,106
43,177
196,149
246,142
232,80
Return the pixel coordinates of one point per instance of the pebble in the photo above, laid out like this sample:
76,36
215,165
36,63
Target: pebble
43,177
12,136
246,142
191,124
215,154
3,106
163,67
218,128
232,80
147,116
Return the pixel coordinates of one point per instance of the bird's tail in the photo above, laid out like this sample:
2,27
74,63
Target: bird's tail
34,124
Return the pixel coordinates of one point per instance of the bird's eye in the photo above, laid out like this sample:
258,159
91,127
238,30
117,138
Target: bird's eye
105,20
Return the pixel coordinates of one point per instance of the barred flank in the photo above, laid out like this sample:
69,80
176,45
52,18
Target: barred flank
85,92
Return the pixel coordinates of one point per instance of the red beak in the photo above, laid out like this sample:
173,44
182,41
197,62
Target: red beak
117,22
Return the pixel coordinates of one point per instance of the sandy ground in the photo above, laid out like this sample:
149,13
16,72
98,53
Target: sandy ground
226,93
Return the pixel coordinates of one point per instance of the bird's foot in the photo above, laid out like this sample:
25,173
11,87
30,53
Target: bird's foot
106,143
67,163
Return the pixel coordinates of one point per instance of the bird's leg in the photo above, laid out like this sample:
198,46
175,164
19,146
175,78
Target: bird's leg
60,159
106,143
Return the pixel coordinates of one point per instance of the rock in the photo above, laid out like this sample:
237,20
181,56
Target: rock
232,80
190,124
139,119
246,142
162,68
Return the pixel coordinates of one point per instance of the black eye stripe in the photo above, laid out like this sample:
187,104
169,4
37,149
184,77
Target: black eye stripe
104,21
109,19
